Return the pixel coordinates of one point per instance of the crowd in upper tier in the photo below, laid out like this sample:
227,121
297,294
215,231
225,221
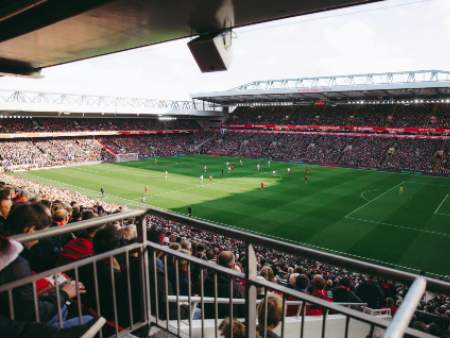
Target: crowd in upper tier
42,124
26,207
431,116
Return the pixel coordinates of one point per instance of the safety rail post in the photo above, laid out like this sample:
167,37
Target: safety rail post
144,267
250,295
288,247
405,312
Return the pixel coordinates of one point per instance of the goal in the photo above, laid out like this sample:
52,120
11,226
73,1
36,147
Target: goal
127,157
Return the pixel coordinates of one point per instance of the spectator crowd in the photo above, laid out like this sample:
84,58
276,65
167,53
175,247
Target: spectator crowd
426,116
428,156
48,124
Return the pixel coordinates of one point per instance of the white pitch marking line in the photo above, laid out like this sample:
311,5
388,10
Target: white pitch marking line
373,200
440,205
363,196
431,232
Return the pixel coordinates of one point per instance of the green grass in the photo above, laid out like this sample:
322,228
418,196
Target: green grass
360,213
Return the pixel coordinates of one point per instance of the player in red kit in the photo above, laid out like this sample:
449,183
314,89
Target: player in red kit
262,185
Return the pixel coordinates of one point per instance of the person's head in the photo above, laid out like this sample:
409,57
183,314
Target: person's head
226,259
88,214
232,326
293,279
60,215
47,203
5,204
26,218
21,196
267,273
199,247
210,254
274,311
7,191
329,283
318,282
107,239
175,246
302,282
185,244
389,301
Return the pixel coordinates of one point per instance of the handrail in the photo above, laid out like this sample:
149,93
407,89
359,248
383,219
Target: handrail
406,310
300,250
251,280
67,267
73,227
435,285
237,301
287,292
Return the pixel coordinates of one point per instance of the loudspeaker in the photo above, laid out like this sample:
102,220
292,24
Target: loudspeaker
212,52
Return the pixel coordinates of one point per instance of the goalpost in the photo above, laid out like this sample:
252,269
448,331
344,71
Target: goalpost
127,157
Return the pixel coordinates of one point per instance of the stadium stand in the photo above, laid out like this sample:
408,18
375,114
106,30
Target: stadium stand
433,116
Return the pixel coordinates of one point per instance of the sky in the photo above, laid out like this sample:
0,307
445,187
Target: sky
393,35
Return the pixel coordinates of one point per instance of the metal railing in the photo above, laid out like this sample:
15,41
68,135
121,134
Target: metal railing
159,279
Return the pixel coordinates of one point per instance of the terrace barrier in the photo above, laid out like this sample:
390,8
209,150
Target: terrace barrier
149,301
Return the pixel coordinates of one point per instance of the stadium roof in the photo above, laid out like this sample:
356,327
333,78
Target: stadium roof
42,33
64,104
410,84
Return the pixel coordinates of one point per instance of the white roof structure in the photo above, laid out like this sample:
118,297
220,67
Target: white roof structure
34,102
411,84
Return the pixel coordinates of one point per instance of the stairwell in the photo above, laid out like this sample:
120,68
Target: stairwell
342,152
386,156
107,149
197,147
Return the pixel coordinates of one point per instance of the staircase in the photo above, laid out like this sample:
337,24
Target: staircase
386,156
196,147
342,151
108,149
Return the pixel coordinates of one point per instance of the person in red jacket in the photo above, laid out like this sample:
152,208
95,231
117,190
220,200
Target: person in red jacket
318,290
80,247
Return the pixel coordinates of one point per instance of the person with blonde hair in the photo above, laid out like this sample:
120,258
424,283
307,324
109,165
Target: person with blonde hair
269,319
237,327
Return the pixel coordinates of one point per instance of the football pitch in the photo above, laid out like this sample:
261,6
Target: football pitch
396,219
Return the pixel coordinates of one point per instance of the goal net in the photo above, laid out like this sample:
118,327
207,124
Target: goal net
127,157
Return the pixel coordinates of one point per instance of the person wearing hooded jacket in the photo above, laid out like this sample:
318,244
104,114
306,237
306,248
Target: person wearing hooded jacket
9,253
25,218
